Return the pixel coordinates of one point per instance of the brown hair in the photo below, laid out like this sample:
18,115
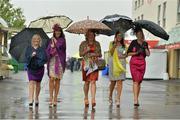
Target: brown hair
122,41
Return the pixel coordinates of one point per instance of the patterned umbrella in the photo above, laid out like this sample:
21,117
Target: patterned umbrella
117,23
47,22
81,27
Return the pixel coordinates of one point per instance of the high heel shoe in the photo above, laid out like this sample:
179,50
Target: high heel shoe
50,104
117,103
136,105
30,105
86,102
93,103
110,101
36,104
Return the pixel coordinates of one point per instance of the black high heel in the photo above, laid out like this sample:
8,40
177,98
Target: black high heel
30,105
37,104
136,105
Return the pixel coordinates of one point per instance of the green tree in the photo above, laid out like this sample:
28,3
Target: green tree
13,16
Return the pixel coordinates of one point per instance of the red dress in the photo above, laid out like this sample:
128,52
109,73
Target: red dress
137,62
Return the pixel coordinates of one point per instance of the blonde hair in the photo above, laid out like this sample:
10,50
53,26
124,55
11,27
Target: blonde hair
36,36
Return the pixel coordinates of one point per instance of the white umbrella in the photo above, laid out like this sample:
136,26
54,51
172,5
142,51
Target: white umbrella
47,22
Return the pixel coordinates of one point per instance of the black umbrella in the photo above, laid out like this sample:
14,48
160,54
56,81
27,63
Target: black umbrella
117,23
153,28
21,40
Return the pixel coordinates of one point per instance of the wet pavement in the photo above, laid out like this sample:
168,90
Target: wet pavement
158,100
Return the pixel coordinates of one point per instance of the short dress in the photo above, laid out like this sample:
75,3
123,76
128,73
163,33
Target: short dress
52,66
96,48
137,62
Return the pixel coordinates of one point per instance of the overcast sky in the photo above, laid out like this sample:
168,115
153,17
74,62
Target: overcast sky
76,10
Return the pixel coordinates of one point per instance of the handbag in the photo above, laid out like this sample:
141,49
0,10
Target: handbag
101,63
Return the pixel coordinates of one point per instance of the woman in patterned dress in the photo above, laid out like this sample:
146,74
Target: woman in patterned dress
56,53
117,48
90,50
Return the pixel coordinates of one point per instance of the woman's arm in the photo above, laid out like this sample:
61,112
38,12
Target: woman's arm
132,53
83,49
147,52
97,51
130,50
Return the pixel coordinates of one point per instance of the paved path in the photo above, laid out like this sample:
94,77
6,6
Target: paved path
158,100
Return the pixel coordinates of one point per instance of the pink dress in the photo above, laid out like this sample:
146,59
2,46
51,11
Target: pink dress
137,62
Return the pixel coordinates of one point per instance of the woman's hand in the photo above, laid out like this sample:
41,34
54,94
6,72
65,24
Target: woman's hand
54,39
145,45
52,45
33,54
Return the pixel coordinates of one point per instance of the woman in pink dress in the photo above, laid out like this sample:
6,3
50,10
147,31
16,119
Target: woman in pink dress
138,49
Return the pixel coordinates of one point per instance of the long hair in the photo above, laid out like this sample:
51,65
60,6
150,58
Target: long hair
122,40
137,29
62,34
86,35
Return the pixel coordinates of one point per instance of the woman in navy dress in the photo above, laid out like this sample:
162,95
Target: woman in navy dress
35,59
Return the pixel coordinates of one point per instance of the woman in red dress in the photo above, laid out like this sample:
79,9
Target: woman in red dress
138,49
90,50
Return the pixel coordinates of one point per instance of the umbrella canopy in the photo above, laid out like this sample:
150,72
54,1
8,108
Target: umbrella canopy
117,23
47,22
22,40
153,28
81,27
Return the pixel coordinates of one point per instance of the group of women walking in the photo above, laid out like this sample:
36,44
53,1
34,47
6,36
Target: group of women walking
55,57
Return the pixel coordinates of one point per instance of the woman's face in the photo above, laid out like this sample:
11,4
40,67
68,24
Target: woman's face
57,34
36,41
119,37
90,36
140,35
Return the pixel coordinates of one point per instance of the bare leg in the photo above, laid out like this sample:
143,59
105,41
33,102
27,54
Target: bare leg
86,91
51,88
111,89
31,91
93,92
119,90
136,91
38,88
57,86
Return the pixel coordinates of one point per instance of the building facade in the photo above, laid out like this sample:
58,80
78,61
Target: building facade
166,13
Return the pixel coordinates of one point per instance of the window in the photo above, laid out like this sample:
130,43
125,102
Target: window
135,5
159,14
142,2
164,14
178,12
142,17
139,3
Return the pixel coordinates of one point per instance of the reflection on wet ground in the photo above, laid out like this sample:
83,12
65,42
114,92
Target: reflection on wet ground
158,100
